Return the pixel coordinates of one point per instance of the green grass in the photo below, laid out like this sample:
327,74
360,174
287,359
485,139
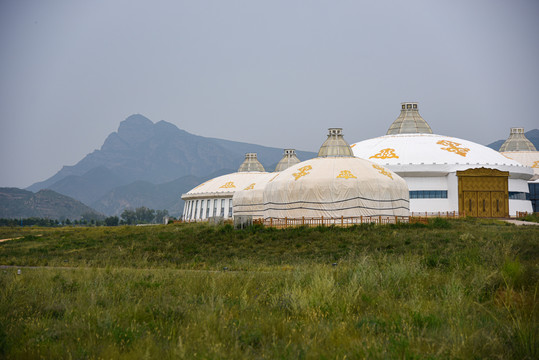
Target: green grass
449,289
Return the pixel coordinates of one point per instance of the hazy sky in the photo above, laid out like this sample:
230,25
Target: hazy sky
275,73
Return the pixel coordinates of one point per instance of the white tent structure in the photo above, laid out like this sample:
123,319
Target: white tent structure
249,201
335,184
447,174
214,197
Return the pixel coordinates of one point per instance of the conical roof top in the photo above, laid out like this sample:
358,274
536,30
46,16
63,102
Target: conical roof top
517,142
289,159
251,163
335,145
409,121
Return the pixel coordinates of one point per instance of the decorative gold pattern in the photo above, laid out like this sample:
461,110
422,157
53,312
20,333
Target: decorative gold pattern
536,164
199,185
250,187
351,146
346,174
453,147
382,171
273,178
302,172
228,185
385,154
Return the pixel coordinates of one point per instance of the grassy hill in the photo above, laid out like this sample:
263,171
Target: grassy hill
18,203
449,289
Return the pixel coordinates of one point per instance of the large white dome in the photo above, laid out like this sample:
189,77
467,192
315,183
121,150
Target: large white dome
333,187
419,152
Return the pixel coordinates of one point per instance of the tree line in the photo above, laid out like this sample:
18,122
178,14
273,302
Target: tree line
141,215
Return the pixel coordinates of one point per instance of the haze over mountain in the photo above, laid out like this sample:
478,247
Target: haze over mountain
141,155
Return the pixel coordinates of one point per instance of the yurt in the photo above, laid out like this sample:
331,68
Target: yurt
335,185
213,198
447,174
520,149
249,201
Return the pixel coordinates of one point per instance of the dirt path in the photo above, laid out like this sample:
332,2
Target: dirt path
520,222
2,240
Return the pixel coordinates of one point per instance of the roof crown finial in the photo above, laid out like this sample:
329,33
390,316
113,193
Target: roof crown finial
335,145
251,163
409,121
289,159
517,141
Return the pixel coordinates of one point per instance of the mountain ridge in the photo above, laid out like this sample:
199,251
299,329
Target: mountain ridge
156,153
20,203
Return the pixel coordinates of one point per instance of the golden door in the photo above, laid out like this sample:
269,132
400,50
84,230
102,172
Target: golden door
470,203
497,204
483,204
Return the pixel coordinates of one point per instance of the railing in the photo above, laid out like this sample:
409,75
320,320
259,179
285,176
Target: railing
322,221
442,214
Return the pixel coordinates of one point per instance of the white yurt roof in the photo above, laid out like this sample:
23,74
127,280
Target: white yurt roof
528,158
250,199
335,187
434,153
225,185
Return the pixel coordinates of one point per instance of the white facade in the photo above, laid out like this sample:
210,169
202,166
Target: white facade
429,162
214,197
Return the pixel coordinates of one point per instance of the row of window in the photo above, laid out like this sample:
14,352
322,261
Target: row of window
205,208
428,194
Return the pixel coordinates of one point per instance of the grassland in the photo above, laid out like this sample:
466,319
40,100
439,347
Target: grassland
449,289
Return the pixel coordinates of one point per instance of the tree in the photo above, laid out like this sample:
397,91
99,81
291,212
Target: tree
129,217
112,221
160,216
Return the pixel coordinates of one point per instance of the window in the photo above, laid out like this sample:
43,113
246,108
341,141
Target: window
208,208
201,209
515,195
229,207
428,194
214,207
196,209
223,207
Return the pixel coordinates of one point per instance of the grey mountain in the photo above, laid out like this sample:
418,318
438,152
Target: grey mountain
18,203
143,152
143,193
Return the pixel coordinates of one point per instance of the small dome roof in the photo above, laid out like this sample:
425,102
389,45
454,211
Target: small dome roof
335,187
517,141
409,121
289,159
251,163
335,145
225,185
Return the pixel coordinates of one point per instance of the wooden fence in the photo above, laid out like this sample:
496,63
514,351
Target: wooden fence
322,221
